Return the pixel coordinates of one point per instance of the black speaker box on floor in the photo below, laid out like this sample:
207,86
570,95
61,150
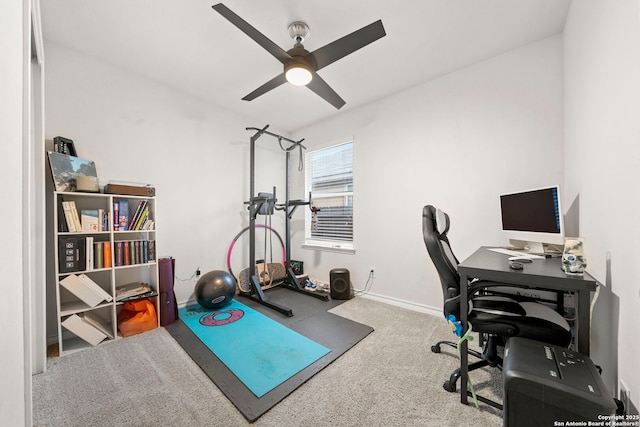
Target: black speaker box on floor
340,284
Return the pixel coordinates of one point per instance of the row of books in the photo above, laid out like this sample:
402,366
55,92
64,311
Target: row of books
94,220
98,254
85,254
89,220
130,252
139,220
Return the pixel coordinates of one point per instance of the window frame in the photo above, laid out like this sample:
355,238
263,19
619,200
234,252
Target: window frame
331,245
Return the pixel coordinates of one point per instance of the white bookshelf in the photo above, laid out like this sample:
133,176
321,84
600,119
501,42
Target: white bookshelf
103,316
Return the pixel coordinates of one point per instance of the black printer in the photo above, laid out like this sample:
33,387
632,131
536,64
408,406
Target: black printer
546,385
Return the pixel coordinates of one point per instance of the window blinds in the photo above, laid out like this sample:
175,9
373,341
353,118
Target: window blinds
329,178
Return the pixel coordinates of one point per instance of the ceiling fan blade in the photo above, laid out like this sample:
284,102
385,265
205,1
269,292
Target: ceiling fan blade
320,87
256,35
271,84
348,44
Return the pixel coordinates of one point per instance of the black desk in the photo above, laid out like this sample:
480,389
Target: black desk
541,273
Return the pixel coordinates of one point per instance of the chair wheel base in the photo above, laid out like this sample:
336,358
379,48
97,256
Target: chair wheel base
435,348
449,386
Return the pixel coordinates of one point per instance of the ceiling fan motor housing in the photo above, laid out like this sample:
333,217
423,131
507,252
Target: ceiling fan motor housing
298,31
300,55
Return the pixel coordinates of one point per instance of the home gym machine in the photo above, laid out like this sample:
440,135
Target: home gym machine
262,203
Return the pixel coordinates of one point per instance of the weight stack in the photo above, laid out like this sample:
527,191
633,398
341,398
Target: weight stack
340,284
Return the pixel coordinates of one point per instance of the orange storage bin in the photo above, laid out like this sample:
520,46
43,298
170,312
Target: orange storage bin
137,317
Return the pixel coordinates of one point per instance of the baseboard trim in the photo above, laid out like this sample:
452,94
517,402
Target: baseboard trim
409,305
190,301
421,308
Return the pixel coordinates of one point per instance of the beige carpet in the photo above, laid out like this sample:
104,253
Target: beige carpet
391,378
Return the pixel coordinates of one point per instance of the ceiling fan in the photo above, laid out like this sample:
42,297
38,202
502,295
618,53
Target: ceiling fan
300,65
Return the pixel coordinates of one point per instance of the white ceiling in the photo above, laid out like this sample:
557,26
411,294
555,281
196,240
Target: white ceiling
188,46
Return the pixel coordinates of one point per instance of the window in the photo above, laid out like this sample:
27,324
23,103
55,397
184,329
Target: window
329,178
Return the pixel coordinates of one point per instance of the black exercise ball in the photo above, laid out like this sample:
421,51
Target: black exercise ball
215,289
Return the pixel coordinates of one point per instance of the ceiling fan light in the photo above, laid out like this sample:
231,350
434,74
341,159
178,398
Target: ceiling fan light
298,75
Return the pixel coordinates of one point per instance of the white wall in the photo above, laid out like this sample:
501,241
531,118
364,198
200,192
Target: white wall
196,156
602,130
457,143
14,396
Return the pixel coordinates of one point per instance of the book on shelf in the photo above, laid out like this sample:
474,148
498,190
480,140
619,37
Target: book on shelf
127,253
71,254
68,215
123,214
74,214
116,216
142,204
62,220
106,254
91,220
89,253
96,288
133,290
148,225
98,256
84,330
136,245
118,257
82,290
104,218
92,318
145,251
132,251
141,220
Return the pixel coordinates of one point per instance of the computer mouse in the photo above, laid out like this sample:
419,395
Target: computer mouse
520,259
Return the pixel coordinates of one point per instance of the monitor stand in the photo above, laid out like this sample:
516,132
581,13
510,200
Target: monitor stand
525,246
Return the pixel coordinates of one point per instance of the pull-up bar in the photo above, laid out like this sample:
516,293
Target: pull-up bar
260,132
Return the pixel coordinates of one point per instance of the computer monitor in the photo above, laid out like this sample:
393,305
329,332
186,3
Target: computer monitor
533,217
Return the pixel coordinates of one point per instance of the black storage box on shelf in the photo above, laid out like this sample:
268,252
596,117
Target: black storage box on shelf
72,254
546,384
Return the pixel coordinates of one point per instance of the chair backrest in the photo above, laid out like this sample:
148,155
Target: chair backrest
435,226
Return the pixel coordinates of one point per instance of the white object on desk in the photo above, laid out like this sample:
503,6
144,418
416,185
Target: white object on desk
515,253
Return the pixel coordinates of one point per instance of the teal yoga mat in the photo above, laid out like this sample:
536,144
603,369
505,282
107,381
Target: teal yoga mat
261,352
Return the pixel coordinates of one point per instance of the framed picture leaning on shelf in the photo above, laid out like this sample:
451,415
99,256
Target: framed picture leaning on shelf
73,173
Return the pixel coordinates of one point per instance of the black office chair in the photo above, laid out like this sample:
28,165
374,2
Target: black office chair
494,317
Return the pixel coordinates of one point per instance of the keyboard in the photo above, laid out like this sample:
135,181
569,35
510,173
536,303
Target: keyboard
516,253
